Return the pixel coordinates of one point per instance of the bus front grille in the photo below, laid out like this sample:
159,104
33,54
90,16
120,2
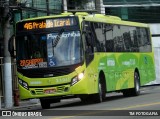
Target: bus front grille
40,91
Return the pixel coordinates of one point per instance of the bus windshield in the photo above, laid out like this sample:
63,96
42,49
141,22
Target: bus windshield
49,50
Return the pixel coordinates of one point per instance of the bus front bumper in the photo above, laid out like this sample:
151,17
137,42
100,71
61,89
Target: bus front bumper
55,91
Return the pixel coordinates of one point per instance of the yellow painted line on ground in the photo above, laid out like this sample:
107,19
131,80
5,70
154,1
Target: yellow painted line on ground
137,106
106,110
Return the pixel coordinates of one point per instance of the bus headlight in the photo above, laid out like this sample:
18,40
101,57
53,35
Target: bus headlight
23,84
77,78
80,76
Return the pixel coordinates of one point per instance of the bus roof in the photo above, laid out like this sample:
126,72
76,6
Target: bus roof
113,20
93,18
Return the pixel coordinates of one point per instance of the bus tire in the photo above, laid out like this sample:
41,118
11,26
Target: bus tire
100,96
45,104
136,90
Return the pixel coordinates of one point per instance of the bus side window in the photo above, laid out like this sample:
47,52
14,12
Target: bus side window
88,37
89,44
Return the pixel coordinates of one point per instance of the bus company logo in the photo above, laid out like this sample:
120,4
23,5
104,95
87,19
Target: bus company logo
48,75
6,113
111,62
129,62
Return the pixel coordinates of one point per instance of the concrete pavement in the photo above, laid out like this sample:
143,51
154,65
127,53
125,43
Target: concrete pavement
23,104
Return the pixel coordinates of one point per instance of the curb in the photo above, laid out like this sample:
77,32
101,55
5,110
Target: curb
22,105
25,106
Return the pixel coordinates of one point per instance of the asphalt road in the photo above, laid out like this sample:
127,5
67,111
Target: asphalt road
115,106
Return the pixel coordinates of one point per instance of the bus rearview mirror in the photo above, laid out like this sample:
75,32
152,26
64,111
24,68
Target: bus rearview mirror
11,46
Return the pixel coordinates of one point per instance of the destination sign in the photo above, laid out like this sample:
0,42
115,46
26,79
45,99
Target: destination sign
30,62
47,23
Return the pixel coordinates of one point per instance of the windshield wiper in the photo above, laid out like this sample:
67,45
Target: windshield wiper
56,40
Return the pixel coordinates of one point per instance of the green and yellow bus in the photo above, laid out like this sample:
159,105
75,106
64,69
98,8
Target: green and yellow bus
82,55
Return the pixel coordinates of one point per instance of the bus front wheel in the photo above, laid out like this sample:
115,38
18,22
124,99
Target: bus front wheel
100,96
45,104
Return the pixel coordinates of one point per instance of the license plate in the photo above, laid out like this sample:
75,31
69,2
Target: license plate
49,91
